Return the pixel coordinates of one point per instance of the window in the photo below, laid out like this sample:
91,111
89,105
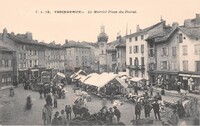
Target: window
142,61
197,66
174,51
23,47
9,63
136,38
142,48
24,55
163,65
118,54
151,53
151,45
30,52
114,58
36,62
136,50
30,63
142,74
185,49
185,65
130,49
164,51
136,73
136,62
130,39
20,56
130,61
180,38
142,37
197,49
35,52
173,65
151,66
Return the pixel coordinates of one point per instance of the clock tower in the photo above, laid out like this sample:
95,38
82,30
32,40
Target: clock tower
102,43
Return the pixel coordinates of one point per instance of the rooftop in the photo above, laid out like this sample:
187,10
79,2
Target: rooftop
75,44
191,32
144,31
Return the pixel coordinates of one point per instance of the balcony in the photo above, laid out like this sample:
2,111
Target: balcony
136,67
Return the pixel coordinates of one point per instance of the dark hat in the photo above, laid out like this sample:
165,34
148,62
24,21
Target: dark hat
114,107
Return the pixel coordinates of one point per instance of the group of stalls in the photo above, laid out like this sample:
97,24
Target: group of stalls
104,85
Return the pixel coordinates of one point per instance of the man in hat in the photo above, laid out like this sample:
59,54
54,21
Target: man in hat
138,109
156,109
117,113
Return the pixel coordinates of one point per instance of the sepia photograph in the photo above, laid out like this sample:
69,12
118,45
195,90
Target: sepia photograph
100,63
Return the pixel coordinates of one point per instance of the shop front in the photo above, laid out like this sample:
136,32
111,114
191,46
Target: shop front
190,82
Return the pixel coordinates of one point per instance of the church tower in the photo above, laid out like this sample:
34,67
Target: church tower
102,43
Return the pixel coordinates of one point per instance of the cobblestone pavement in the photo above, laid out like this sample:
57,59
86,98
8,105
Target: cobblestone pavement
12,108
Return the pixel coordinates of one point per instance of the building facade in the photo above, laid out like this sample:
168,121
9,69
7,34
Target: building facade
78,56
8,69
31,55
136,50
174,56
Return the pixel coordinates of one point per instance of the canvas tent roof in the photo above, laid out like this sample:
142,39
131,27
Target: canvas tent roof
78,77
122,82
78,73
100,80
92,79
104,79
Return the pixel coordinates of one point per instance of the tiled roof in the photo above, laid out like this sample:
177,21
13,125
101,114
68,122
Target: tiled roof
168,32
143,31
75,44
117,41
22,39
191,32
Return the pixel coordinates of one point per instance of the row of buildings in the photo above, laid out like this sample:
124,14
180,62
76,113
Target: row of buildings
160,51
164,52
21,55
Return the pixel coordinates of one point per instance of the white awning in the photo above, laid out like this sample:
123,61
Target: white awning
136,79
185,75
33,70
197,76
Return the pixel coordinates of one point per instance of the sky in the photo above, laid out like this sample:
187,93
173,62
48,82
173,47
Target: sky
21,16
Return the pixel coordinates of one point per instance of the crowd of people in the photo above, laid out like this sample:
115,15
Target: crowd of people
59,118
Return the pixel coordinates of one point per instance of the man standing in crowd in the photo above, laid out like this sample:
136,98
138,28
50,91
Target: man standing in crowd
156,109
117,113
138,109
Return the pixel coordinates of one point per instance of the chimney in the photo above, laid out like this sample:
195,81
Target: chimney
175,24
66,41
12,33
4,34
138,28
198,19
29,35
